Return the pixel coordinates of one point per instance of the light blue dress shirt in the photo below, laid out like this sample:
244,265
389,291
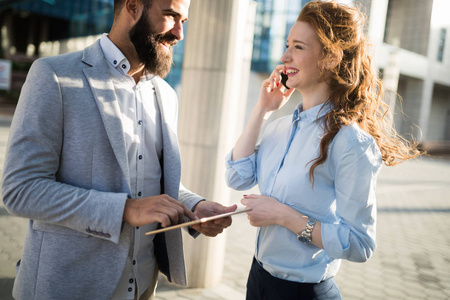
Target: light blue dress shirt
342,198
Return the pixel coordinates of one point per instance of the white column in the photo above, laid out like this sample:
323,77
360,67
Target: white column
425,108
391,76
214,84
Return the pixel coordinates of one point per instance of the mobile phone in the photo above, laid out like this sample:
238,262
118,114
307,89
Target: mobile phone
284,78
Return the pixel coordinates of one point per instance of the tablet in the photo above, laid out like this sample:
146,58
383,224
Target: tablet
202,220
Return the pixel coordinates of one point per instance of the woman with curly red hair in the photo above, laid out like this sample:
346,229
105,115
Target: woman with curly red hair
316,169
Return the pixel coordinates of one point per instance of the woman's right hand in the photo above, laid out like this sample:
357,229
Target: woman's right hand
273,95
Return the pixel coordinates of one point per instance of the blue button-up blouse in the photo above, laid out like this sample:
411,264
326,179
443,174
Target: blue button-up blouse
342,198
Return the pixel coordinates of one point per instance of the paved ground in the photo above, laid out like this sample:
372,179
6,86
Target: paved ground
412,260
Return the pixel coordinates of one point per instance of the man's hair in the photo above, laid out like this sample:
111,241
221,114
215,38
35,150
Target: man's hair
118,4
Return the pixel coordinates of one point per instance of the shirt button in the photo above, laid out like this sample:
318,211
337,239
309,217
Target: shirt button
134,262
124,66
140,194
115,62
130,289
131,280
137,227
140,122
140,156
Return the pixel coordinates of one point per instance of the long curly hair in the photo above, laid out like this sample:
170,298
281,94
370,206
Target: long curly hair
356,90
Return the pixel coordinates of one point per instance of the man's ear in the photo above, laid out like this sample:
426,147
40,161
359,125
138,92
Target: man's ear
134,9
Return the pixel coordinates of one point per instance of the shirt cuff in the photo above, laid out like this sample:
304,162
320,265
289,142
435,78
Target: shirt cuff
244,166
241,173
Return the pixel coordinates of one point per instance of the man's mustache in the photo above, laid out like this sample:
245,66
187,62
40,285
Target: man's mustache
167,38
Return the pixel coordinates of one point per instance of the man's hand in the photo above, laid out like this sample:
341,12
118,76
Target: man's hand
162,209
207,209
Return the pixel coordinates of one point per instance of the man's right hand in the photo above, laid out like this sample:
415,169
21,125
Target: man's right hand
162,209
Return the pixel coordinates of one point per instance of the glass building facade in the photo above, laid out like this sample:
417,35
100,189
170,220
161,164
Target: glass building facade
31,22
25,24
417,30
274,19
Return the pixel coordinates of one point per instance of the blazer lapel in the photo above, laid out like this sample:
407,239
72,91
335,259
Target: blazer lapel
103,91
171,163
168,245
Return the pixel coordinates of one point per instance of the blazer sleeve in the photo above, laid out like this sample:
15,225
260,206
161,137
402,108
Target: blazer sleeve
30,188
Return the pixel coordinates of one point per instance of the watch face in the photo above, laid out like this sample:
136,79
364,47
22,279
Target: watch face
304,239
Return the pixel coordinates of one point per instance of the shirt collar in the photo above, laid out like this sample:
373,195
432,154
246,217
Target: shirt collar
311,114
113,55
116,58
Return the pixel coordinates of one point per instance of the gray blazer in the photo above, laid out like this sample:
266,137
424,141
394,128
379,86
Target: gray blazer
66,170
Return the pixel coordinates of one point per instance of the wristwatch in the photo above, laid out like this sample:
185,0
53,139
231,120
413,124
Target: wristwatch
305,235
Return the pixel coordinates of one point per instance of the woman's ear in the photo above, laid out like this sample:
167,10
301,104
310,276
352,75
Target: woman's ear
337,58
332,60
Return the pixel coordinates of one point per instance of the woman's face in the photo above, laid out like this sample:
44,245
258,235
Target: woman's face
301,58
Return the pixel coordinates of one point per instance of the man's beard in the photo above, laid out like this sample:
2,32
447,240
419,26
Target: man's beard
157,60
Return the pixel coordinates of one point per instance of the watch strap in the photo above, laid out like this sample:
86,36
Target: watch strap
306,235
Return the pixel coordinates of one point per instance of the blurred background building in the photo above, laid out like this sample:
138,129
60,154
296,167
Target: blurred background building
410,39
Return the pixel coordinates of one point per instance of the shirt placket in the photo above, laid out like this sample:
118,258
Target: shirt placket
293,130
139,179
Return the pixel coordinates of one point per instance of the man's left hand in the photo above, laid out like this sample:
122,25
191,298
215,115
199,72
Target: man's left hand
208,209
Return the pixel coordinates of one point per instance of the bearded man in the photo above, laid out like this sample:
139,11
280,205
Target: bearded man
93,162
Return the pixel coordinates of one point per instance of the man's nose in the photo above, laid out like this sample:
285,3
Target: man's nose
177,30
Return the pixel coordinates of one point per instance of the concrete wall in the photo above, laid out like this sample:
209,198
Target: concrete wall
411,29
439,122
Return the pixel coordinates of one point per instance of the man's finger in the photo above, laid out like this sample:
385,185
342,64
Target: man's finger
188,213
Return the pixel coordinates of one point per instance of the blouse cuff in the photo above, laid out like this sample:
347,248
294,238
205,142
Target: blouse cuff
245,167
340,243
241,173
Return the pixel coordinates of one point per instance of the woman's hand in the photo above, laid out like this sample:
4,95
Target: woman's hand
265,210
269,211
273,95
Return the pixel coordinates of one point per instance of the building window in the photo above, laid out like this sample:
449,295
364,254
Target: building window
441,46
